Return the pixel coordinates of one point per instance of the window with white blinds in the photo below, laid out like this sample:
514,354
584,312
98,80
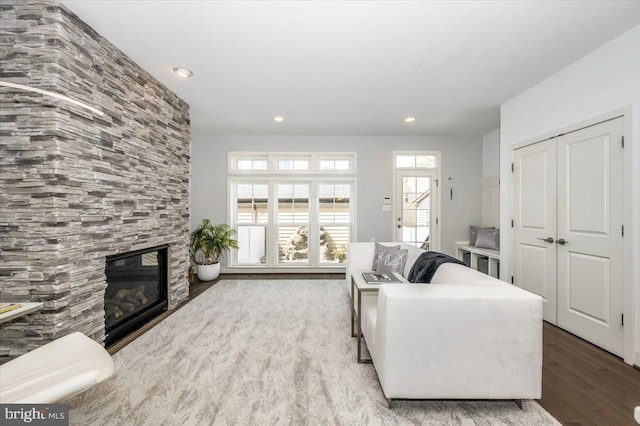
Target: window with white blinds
297,211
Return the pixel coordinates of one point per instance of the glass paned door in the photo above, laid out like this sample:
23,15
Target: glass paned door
416,194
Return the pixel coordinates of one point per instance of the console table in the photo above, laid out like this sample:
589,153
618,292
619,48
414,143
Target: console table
359,286
493,257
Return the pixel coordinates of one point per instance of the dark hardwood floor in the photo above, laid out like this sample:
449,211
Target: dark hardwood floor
585,385
581,383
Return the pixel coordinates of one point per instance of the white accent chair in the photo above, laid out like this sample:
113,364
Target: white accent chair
55,372
464,336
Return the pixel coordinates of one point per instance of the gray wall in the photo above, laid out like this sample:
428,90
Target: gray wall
461,160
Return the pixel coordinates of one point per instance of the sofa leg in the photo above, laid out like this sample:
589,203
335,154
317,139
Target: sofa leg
518,403
390,402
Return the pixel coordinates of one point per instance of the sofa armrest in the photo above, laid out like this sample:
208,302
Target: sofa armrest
458,341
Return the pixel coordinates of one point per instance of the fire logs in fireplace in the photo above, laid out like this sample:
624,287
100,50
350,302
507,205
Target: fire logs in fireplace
136,291
125,301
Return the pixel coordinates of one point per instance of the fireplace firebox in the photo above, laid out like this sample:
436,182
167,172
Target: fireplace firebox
136,291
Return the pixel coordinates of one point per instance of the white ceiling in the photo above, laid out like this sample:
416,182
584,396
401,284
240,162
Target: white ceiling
355,67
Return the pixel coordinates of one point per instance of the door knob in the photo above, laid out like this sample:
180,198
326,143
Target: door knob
548,240
562,241
399,226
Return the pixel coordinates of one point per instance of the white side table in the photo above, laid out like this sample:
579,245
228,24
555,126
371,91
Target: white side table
24,309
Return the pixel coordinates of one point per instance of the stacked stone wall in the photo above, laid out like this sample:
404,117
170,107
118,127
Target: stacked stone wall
77,186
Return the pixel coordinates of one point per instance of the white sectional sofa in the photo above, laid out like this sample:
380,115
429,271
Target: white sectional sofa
464,336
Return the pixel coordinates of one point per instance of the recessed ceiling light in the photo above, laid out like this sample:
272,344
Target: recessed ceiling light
182,72
409,119
278,118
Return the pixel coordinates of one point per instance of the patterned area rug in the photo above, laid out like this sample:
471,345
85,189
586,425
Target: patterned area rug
265,352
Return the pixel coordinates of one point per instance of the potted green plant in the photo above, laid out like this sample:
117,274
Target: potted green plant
207,243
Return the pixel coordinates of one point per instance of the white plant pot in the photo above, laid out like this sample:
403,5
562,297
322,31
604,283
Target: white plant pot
208,272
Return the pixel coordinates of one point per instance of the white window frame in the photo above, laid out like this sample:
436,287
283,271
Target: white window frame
352,218
293,224
273,158
272,176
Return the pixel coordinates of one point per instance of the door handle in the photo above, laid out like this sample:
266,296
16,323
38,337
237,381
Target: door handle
562,241
399,226
548,240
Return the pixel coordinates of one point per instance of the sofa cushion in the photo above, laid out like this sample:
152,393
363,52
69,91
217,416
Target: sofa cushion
392,261
381,250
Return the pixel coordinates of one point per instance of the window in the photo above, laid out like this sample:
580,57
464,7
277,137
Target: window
342,165
252,218
293,164
299,212
334,201
286,162
251,163
293,222
416,161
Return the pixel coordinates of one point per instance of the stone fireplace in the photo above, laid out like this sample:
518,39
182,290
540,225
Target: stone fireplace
78,187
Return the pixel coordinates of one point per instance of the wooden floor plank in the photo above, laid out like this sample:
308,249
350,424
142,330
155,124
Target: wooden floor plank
585,385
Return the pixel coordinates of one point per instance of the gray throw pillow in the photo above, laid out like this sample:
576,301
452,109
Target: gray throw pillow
488,238
473,233
392,261
381,250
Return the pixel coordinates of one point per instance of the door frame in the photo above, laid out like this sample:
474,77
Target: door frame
435,243
628,272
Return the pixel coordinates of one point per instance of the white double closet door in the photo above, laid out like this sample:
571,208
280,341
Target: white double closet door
568,243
